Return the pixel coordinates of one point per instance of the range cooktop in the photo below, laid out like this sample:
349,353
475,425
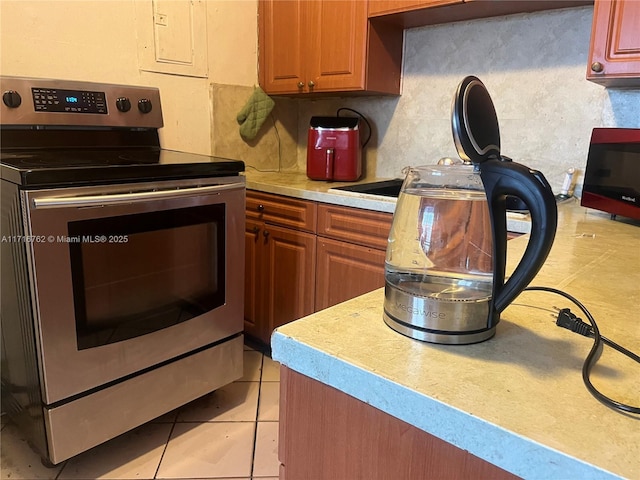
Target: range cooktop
63,133
90,166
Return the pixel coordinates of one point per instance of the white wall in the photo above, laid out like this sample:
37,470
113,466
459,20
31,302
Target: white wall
96,40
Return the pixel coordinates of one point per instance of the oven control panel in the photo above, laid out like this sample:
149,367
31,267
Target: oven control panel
72,101
37,101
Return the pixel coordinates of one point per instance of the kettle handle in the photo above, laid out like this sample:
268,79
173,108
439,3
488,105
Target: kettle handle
502,178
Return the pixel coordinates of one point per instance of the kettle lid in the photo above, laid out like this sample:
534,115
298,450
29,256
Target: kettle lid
474,122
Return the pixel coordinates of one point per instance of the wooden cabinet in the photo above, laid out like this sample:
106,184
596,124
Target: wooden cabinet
345,271
325,433
253,321
614,53
384,7
336,46
351,252
418,13
301,257
280,256
326,46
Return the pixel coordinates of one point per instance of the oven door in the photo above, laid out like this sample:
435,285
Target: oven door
126,278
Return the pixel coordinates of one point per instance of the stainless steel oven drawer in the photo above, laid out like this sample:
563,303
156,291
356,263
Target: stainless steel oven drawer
91,420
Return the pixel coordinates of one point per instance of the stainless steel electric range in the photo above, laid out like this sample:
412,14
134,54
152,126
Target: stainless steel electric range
122,264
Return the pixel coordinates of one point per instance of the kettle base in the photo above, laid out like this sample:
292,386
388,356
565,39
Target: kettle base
438,336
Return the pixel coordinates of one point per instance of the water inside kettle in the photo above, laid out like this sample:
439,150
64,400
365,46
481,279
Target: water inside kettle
442,233
439,265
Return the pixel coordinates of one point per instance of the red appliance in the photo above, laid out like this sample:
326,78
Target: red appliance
334,151
612,177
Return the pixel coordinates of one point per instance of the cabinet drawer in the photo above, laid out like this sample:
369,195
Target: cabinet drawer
284,211
362,227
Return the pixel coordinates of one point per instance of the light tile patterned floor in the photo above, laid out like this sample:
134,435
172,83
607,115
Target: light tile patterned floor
231,433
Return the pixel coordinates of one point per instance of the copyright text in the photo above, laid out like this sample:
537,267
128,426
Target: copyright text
64,239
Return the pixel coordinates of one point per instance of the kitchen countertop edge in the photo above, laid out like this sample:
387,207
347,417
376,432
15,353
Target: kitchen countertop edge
527,458
546,435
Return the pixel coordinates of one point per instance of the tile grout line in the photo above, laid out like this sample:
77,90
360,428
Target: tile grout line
255,430
166,445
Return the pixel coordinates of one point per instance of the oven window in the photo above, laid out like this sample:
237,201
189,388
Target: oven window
136,274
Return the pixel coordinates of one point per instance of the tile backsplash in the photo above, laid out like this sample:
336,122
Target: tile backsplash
273,149
534,67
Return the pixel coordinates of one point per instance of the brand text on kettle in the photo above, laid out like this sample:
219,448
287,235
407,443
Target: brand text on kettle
417,311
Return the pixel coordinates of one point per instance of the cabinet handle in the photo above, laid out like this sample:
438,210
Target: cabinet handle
260,208
300,84
255,230
311,84
265,234
597,67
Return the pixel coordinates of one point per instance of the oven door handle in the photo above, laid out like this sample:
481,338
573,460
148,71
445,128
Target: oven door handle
123,198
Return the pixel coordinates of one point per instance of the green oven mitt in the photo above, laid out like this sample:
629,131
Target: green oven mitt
254,113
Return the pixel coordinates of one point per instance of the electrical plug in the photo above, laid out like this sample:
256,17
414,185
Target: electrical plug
567,319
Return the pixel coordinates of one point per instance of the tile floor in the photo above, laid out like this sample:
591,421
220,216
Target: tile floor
231,433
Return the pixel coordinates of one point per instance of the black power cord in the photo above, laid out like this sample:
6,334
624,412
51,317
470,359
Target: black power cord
566,319
362,117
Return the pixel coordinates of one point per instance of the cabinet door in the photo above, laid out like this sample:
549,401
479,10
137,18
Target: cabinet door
253,324
336,41
281,52
326,46
345,271
289,283
614,55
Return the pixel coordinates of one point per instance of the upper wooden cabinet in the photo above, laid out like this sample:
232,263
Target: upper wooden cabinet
418,13
384,7
614,54
326,46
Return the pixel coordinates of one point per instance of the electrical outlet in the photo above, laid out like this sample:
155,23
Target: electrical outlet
161,19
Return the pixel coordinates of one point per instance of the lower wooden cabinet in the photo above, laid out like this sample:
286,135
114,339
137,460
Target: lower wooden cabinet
345,271
325,434
279,277
352,245
289,271
303,256
280,261
253,320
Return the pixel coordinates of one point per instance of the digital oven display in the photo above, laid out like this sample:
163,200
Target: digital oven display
68,101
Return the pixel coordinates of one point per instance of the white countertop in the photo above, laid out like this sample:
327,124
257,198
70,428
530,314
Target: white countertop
517,400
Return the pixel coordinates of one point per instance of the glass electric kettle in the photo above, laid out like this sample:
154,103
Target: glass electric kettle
446,255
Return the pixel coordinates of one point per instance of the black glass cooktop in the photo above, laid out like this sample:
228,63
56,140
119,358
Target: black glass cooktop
90,166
